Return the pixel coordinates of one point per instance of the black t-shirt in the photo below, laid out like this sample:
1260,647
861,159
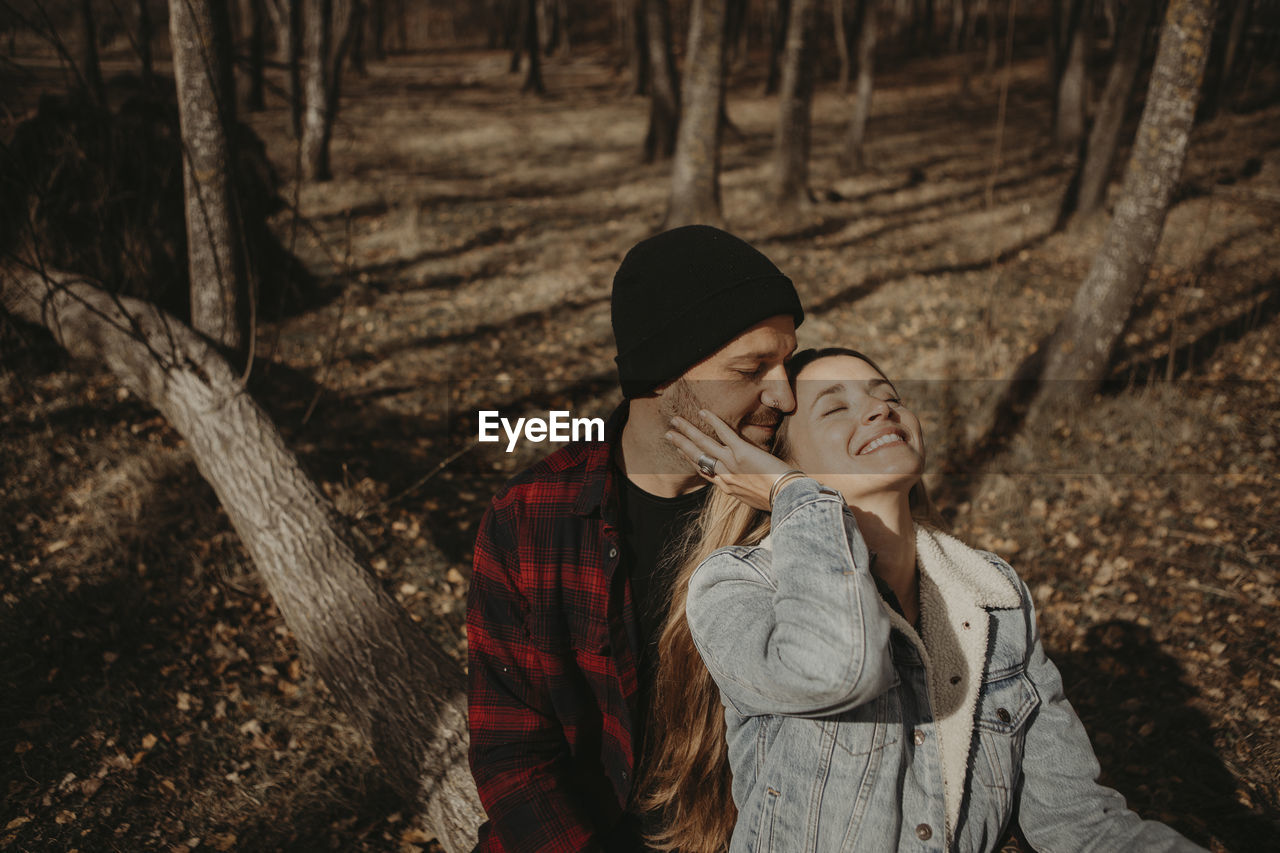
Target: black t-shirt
652,528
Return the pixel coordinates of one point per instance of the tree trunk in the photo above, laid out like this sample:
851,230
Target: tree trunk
297,95
781,16
638,35
90,69
322,85
695,172
378,29
201,39
517,10
1104,136
402,691
959,20
664,88
1078,353
1223,76
856,136
144,44
795,102
841,33
533,74
253,31
317,45
1069,115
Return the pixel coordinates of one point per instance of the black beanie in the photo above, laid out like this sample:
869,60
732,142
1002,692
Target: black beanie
683,294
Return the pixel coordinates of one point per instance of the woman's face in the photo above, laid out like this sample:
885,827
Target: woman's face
851,431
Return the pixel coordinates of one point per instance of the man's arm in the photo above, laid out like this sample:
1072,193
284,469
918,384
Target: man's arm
519,755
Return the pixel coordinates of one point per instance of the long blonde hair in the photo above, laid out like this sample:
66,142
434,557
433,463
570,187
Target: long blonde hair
685,777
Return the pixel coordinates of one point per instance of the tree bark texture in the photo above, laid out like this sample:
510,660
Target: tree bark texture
201,37
664,84
1104,136
1069,113
317,46
90,67
795,103
1080,349
856,136
403,692
695,173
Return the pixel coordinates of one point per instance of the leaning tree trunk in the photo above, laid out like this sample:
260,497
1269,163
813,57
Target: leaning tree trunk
404,693
854,156
1069,113
664,84
1104,136
695,172
201,38
795,103
1079,350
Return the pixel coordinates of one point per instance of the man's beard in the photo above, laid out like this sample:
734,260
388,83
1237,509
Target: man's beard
681,399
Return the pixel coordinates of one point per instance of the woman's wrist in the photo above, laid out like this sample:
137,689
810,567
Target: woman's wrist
783,480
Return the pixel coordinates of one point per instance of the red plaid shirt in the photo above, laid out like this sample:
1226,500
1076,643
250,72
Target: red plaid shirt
552,641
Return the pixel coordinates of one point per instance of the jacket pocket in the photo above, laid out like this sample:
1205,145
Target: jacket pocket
1005,708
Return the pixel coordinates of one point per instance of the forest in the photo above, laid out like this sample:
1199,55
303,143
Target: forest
263,263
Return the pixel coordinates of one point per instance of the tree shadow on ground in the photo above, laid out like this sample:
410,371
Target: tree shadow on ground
1139,714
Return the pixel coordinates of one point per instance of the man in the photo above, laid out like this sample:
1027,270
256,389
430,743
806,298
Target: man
569,586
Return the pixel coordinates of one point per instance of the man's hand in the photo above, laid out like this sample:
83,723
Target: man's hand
739,467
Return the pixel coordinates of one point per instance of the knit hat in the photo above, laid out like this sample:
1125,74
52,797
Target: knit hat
681,295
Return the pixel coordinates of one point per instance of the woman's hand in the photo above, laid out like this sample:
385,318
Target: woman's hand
740,468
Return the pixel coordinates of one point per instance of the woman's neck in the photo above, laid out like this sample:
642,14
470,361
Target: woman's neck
889,531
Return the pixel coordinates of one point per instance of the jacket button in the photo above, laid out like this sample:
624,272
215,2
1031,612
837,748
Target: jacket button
613,552
919,737
923,832
1003,714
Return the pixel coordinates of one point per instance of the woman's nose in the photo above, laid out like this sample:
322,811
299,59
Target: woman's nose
876,410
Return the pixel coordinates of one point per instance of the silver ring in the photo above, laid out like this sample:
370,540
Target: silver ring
707,465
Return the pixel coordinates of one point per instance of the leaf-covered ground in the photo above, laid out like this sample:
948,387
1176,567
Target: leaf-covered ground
151,697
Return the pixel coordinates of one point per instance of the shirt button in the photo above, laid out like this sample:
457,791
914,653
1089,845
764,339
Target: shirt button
924,832
919,737
1003,714
613,552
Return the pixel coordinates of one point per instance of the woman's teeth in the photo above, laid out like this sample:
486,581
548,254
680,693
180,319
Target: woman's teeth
880,442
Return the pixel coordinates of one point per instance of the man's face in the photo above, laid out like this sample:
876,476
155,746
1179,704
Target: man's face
744,382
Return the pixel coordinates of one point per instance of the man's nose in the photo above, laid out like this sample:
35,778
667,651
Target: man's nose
777,391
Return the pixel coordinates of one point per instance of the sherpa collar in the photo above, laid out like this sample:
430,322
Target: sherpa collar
958,586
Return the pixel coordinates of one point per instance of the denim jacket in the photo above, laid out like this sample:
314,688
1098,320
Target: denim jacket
848,730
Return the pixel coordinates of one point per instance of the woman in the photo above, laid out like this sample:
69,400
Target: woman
881,685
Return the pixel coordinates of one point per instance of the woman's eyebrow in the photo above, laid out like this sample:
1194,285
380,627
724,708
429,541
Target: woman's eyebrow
830,389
